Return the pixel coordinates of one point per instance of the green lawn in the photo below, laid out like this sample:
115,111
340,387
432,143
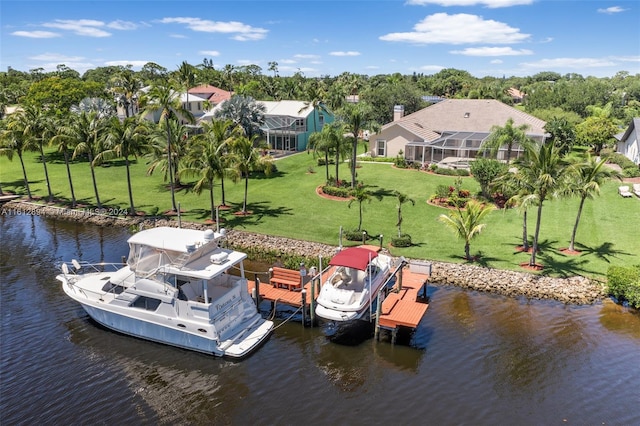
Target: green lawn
286,204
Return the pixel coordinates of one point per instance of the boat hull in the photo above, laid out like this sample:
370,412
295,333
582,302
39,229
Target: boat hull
175,332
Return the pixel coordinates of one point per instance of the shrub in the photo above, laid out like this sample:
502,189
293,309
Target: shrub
322,162
336,191
403,240
631,172
462,172
355,235
442,191
485,171
624,284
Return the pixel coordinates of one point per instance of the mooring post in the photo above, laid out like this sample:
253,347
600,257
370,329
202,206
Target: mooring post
312,301
378,313
271,276
256,288
400,278
304,307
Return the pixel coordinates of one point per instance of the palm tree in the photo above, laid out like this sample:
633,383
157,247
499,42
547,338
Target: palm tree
585,180
186,77
165,99
329,140
206,157
125,88
544,171
246,158
507,135
124,139
466,223
37,130
13,141
65,143
245,112
355,115
88,130
361,194
402,198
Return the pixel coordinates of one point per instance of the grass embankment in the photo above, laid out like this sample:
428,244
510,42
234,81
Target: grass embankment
285,204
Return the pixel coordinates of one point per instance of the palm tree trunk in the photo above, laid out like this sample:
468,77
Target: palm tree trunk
532,261
46,173
213,207
222,188
360,222
575,226
24,174
93,177
73,194
354,154
525,237
132,211
326,164
170,166
467,251
246,190
337,164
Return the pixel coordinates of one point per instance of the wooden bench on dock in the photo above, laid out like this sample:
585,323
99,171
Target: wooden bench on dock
281,277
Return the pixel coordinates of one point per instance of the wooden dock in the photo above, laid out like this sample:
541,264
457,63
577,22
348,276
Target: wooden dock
406,306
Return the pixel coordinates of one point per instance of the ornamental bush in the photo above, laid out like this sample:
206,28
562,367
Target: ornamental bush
403,240
624,284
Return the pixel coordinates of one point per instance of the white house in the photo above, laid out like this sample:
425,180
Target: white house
629,143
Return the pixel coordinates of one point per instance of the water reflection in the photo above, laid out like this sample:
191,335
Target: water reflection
495,360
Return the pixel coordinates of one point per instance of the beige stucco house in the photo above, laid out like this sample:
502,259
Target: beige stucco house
453,128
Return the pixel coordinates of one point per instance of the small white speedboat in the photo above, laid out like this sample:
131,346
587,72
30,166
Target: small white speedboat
177,289
356,278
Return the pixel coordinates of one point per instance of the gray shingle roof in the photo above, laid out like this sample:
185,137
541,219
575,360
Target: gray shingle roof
466,115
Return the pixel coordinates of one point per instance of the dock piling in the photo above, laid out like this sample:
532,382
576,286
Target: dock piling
304,307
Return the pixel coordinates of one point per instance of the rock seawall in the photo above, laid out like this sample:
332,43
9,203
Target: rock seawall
572,290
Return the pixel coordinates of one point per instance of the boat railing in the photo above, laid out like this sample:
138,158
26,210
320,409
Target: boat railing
82,267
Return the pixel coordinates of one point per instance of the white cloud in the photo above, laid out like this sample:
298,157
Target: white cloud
496,61
209,52
134,64
491,51
243,32
122,25
56,57
611,10
431,68
305,56
458,29
487,3
341,53
287,61
573,63
81,27
180,36
35,34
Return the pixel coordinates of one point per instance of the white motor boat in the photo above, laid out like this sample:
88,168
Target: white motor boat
176,288
356,278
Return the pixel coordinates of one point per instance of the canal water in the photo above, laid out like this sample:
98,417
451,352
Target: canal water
476,359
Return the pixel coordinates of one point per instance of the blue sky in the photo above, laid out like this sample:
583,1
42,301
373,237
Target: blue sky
484,37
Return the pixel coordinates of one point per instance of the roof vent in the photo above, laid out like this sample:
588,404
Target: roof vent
467,114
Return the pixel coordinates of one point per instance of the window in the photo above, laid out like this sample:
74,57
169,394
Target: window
146,303
381,148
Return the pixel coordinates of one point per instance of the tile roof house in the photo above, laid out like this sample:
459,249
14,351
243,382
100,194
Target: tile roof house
629,141
214,95
452,128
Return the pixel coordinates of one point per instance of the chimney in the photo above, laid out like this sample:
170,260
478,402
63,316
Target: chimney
398,112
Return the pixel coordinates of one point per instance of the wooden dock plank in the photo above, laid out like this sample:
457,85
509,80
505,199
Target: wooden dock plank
403,308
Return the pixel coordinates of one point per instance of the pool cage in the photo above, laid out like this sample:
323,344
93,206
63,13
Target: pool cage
458,148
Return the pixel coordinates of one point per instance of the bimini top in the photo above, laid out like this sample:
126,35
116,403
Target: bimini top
172,239
354,257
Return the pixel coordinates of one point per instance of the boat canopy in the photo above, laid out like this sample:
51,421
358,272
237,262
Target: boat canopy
353,257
